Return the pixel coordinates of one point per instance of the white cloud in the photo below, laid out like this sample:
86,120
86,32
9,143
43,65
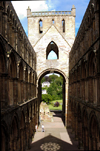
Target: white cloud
21,7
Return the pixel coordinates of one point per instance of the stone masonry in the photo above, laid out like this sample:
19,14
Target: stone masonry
52,32
47,31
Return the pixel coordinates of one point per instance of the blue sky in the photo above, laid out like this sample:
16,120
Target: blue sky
49,5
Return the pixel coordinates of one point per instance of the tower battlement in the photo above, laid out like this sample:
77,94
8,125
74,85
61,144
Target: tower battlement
40,22
51,13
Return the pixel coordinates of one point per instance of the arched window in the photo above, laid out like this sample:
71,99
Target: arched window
52,51
40,26
52,55
63,25
53,21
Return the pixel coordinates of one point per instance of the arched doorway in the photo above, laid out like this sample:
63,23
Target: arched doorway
63,88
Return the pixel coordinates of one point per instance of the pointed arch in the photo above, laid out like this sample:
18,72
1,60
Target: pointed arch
15,127
52,46
2,59
12,66
94,132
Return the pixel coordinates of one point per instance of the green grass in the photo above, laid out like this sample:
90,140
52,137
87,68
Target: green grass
51,107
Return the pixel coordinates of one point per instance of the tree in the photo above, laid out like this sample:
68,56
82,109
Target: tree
46,98
55,88
53,77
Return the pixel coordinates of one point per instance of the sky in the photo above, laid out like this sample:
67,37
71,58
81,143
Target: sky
49,5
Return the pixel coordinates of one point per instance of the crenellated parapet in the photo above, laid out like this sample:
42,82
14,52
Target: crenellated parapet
51,13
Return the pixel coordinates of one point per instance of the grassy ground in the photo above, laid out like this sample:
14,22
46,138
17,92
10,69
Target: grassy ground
51,107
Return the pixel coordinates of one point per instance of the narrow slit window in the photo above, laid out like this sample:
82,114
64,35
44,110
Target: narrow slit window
53,21
40,26
63,25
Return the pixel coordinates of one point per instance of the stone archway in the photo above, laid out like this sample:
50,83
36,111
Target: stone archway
65,89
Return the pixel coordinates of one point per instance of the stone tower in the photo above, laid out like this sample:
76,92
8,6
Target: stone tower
40,22
51,26
47,31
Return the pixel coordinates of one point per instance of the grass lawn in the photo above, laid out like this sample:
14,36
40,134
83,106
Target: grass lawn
51,107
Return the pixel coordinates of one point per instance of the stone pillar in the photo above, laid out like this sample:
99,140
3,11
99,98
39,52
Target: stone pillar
15,91
5,24
16,40
69,115
80,144
76,127
10,91
1,19
22,91
66,84
27,135
19,92
98,91
26,91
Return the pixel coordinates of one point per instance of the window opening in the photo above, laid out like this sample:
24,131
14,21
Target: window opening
53,21
52,51
63,25
52,55
40,26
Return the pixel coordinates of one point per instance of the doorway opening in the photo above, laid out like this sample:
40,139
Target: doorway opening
52,91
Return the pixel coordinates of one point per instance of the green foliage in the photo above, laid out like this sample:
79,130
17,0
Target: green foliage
52,107
45,78
46,98
53,77
44,88
55,88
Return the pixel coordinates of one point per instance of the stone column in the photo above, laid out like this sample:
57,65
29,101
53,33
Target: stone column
76,127
16,40
66,84
80,144
10,91
1,19
27,135
69,115
22,92
15,91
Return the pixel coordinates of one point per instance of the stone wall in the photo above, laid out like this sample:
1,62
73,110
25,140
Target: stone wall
52,31
18,98
84,80
62,38
47,21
